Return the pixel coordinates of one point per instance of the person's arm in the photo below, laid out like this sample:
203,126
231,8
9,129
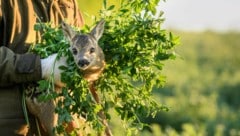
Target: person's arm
18,68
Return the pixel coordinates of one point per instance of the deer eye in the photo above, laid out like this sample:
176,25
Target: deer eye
74,51
92,50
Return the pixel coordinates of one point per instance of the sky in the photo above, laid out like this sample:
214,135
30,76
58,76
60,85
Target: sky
200,15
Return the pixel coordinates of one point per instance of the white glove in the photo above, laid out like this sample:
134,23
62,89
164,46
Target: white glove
50,66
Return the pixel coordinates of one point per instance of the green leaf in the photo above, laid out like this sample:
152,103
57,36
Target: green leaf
111,7
105,4
44,85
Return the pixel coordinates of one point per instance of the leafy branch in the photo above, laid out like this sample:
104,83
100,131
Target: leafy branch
135,47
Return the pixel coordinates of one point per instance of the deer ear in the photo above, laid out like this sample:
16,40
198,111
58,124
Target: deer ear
98,30
68,32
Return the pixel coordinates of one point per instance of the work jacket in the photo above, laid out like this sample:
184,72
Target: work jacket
17,20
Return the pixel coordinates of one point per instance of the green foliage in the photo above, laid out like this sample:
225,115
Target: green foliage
135,47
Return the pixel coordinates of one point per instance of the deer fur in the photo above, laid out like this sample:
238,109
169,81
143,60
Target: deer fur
89,58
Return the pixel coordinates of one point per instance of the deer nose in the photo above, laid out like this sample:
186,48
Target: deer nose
83,62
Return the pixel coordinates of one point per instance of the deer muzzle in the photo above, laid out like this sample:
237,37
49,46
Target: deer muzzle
83,63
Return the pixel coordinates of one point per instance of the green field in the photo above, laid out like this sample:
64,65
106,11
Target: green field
203,87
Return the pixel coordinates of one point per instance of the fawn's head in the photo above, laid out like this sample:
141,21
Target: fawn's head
85,49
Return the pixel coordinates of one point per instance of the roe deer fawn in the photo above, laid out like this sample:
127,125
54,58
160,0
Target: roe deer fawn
89,58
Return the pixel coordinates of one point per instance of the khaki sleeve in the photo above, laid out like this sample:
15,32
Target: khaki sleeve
18,68
66,10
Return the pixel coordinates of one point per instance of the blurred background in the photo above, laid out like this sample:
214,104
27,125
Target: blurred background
203,83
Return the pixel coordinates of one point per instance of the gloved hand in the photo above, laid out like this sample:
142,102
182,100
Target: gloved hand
50,66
